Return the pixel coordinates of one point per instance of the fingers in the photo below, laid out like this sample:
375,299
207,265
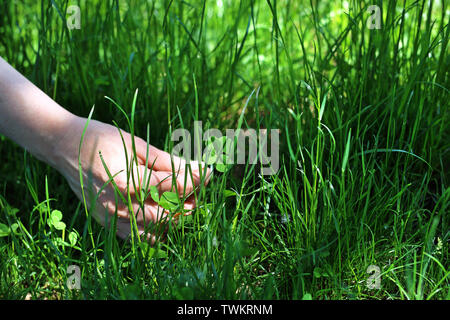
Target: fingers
160,160
151,212
147,236
143,178
150,216
190,204
152,221
182,182
124,232
163,161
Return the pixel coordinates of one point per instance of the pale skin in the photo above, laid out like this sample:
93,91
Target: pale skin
52,134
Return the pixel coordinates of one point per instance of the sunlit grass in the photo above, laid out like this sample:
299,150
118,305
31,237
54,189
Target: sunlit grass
363,116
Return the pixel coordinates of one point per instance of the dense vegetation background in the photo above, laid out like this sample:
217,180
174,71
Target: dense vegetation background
364,151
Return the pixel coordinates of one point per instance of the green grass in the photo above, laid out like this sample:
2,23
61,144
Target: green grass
364,147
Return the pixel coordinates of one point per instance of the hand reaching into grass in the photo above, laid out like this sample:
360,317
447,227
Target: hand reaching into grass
52,134
103,141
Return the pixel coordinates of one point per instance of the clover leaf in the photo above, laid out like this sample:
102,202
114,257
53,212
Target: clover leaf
55,220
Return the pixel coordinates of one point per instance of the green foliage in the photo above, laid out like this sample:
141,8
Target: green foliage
363,116
55,220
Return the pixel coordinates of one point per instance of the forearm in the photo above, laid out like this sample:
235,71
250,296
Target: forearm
28,116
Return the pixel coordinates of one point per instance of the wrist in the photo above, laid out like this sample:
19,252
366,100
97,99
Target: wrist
64,147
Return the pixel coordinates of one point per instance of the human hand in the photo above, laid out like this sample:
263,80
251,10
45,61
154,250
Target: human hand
105,140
